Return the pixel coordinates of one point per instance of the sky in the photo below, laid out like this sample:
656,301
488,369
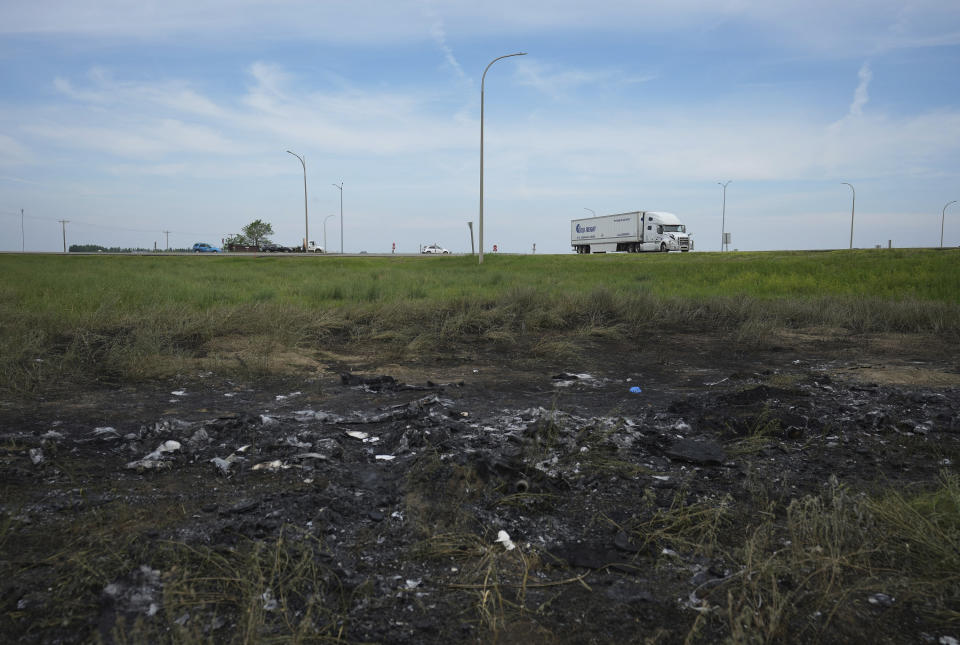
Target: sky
150,122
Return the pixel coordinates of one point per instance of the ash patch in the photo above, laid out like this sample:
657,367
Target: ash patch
388,513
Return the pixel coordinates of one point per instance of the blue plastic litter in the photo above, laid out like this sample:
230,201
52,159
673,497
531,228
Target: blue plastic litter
635,390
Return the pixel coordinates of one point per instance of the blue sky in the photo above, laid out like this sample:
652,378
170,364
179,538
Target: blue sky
133,118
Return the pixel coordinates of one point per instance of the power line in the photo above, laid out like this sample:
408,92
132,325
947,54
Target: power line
108,227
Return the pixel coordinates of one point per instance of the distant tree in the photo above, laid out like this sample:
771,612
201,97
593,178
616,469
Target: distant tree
257,231
236,238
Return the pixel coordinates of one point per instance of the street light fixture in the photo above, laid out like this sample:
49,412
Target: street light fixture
306,222
340,188
853,205
943,214
482,81
591,210
723,214
326,249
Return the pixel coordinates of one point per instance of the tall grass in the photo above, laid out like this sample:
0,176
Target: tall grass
122,317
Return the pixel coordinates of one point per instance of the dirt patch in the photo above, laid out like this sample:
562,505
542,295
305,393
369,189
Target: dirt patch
684,490
918,375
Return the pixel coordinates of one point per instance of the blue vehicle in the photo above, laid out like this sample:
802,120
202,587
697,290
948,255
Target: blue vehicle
203,247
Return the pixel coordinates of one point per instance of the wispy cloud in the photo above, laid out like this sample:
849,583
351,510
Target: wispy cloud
13,153
558,82
881,25
104,89
439,35
860,96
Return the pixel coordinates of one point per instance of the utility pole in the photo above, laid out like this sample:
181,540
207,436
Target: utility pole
63,225
21,232
167,233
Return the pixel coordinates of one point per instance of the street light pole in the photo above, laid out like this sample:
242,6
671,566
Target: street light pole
853,205
482,81
326,249
591,210
723,214
63,225
21,231
306,221
943,214
340,188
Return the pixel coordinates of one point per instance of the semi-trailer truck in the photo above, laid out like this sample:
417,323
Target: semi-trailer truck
634,232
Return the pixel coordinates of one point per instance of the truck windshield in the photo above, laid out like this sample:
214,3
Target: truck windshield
674,228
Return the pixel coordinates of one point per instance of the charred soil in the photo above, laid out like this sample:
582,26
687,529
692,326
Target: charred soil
696,492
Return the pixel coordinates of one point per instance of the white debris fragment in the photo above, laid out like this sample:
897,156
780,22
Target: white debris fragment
504,538
155,461
36,456
97,432
269,602
268,421
179,393
51,434
385,457
948,640
311,455
148,464
881,599
162,449
669,552
222,464
362,436
663,478
413,583
271,466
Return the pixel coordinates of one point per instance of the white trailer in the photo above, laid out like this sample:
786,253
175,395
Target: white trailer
634,232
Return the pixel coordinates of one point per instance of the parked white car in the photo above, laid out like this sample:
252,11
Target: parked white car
434,248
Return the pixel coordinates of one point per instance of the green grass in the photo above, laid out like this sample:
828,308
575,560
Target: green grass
126,317
85,284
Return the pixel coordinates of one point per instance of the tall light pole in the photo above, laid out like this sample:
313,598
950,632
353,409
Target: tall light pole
306,222
482,81
63,225
340,188
21,232
853,206
723,213
326,249
167,233
943,214
591,210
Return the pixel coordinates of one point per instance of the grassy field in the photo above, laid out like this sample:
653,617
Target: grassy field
77,318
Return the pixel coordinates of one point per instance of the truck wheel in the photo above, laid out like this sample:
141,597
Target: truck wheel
663,247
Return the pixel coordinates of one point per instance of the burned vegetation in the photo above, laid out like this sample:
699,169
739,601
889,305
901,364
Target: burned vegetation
772,500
